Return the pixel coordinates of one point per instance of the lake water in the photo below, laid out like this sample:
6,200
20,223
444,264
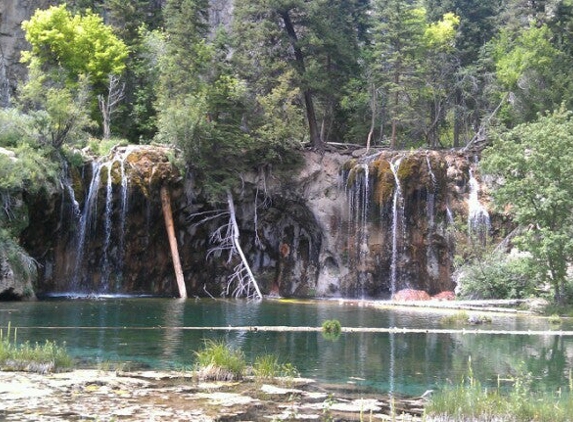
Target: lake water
155,333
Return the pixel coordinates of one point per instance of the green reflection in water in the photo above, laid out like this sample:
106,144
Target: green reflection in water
148,332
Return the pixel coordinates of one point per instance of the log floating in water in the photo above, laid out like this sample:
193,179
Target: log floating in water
282,328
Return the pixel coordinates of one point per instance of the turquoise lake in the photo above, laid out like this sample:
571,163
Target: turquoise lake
164,333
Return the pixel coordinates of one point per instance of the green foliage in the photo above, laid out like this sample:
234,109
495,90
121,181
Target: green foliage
24,267
470,400
331,329
79,44
532,163
60,113
102,147
16,128
71,60
27,168
529,66
496,276
440,35
46,357
219,361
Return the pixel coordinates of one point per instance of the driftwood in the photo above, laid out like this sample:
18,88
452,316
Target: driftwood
167,214
284,328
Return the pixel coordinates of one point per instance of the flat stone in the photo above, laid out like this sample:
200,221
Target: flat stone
226,399
273,389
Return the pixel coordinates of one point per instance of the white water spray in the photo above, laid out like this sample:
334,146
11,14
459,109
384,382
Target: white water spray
106,265
478,217
87,224
397,223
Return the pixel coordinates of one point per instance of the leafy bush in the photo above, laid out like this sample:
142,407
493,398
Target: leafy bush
331,326
331,329
498,277
219,361
16,128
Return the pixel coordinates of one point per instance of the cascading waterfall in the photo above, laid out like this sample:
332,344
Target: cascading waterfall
111,258
87,225
106,265
478,218
430,208
397,223
123,212
358,210
431,202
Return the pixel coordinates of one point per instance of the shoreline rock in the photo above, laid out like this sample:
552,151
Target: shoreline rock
88,394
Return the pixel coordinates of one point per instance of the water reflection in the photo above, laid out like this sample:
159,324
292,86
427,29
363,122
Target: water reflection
172,337
155,333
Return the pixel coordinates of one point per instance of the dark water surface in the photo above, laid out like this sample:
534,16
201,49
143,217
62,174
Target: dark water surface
147,332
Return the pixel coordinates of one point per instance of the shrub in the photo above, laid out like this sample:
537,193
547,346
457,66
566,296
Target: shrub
497,277
219,361
331,329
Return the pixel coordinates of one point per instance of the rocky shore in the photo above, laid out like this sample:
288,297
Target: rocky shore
97,395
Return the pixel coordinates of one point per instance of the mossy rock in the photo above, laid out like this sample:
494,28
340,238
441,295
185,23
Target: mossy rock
149,168
384,184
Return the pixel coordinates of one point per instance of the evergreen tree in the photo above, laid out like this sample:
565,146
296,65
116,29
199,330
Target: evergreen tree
312,45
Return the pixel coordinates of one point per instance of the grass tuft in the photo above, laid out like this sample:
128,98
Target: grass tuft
471,401
219,361
41,358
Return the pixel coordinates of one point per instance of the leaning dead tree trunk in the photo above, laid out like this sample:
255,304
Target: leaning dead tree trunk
168,216
226,239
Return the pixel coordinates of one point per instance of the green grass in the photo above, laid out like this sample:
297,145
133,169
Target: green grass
471,401
453,319
43,358
267,367
219,361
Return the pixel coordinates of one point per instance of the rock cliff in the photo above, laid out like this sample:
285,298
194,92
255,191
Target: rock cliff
366,225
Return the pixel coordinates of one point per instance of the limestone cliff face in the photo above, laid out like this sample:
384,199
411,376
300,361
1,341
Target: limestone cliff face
340,226
12,42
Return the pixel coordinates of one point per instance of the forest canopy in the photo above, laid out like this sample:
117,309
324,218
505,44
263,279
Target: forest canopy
264,78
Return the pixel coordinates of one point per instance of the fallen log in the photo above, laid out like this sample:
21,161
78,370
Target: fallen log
168,216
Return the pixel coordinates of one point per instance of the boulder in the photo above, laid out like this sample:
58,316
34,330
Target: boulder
406,295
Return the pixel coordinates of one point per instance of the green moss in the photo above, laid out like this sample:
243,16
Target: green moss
384,181
408,168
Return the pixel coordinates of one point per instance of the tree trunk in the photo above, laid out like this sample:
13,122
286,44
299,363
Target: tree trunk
315,139
395,111
237,244
167,214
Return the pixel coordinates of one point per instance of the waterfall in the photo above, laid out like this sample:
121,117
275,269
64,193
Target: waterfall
358,210
112,232
107,224
478,217
431,255
397,222
431,202
87,225
123,214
